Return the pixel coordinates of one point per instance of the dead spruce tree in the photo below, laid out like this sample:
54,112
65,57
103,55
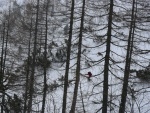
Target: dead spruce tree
107,56
45,57
4,54
128,60
31,90
28,70
78,62
68,59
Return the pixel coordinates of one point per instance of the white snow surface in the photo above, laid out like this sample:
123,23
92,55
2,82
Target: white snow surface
91,61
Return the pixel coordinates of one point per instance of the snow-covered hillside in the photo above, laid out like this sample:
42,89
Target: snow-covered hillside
20,51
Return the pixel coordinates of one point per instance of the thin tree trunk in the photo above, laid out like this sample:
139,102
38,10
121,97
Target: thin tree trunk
2,55
82,99
107,56
2,68
78,62
128,61
33,63
68,60
28,71
45,61
3,60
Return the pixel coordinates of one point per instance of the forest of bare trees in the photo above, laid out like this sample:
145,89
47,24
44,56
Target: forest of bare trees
75,56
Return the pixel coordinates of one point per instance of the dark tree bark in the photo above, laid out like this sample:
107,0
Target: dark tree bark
128,60
45,60
31,90
73,106
28,72
107,56
3,60
82,99
68,60
2,55
2,68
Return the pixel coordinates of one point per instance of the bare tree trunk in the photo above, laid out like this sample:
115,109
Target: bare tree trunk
45,62
5,55
107,56
2,68
3,62
78,62
31,90
28,71
82,99
68,59
2,55
128,60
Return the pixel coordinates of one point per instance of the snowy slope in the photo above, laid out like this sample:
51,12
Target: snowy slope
92,60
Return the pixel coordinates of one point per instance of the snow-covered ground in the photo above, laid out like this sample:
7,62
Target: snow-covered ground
92,60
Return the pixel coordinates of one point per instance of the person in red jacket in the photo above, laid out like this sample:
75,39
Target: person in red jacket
89,75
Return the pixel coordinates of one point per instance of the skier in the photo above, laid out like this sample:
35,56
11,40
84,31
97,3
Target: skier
89,75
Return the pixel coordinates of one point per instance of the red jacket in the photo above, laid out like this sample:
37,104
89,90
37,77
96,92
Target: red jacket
89,74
